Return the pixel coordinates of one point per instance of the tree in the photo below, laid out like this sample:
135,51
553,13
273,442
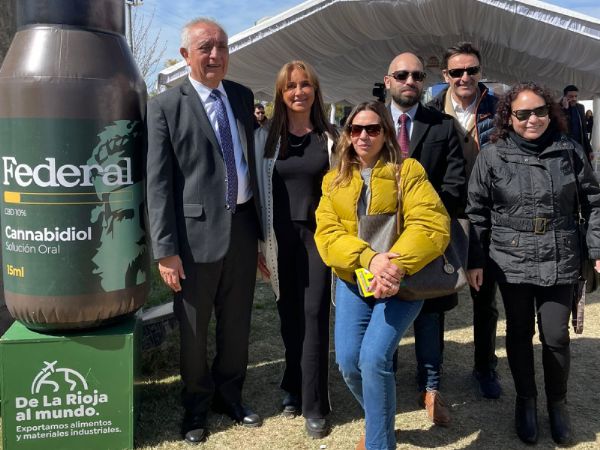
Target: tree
146,46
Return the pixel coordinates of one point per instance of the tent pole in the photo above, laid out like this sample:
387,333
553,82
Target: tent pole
332,113
596,131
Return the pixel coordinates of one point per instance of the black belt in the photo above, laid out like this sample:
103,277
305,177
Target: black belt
538,225
241,207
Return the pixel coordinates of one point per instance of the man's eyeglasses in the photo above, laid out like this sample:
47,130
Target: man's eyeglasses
402,75
372,130
458,73
524,114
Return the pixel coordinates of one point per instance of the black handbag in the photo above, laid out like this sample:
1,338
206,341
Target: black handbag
588,277
443,276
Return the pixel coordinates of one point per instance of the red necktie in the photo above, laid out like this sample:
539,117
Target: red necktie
403,139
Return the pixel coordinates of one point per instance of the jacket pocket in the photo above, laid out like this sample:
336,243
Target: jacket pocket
193,210
502,238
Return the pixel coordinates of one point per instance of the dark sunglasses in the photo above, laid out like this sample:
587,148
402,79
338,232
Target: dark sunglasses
524,114
402,75
372,130
458,73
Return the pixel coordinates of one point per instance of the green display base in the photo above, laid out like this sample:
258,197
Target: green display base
70,391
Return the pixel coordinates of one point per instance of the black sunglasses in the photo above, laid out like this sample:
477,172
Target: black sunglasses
458,73
402,75
524,114
372,130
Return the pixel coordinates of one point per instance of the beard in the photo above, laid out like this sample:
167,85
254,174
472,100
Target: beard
406,102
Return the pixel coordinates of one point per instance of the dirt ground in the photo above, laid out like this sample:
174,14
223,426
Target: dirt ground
477,423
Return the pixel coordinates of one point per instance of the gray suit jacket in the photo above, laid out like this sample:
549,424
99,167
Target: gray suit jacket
186,173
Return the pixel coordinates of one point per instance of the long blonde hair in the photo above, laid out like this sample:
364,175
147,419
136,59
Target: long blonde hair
279,123
347,159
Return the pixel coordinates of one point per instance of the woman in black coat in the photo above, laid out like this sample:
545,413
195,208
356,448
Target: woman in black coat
522,203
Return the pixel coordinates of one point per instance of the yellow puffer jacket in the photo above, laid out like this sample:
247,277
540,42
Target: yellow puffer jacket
425,231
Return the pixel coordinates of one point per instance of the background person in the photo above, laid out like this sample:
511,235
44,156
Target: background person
473,106
589,123
576,119
522,204
368,330
292,158
202,210
260,115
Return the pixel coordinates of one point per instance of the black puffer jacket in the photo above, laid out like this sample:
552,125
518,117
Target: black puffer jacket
523,208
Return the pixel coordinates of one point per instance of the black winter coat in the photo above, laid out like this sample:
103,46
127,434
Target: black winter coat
523,208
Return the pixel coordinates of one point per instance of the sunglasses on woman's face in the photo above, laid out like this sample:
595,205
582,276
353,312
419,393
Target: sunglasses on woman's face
524,114
458,73
372,130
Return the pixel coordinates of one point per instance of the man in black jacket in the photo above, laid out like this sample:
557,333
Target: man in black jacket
575,114
473,107
428,136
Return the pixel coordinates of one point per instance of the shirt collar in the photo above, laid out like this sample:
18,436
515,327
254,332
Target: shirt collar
458,107
396,112
204,91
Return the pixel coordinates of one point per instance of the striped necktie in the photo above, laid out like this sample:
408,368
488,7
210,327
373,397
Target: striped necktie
403,139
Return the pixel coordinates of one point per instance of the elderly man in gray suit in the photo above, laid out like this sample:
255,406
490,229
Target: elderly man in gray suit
201,186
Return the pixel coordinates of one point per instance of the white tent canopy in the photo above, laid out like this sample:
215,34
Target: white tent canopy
351,42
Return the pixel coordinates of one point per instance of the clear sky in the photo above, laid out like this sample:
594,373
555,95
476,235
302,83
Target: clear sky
238,15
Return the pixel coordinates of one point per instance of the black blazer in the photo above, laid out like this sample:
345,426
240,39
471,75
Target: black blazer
435,144
186,173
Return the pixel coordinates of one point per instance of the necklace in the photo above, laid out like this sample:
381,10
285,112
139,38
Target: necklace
301,143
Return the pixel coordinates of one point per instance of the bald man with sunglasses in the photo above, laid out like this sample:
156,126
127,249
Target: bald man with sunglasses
430,137
473,108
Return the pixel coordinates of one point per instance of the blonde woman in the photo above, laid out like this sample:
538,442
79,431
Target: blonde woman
365,181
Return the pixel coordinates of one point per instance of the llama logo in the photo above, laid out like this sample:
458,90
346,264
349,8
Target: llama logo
53,377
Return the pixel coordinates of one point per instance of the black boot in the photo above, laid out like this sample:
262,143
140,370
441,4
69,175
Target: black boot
526,419
560,422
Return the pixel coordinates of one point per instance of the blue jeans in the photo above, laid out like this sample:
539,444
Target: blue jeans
367,370
429,341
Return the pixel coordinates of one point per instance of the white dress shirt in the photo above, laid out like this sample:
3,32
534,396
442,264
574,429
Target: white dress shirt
463,115
243,176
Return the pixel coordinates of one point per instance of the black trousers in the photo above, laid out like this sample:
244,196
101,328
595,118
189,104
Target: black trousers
305,293
485,319
227,286
552,305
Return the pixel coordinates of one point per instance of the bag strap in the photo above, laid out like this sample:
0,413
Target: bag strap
399,217
580,218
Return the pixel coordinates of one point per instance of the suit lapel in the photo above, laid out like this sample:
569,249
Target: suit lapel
238,114
420,127
190,96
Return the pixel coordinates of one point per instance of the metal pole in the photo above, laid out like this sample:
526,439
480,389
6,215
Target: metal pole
596,130
129,27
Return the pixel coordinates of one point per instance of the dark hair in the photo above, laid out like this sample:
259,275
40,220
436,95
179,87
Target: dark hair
462,48
570,88
279,121
259,106
347,159
504,109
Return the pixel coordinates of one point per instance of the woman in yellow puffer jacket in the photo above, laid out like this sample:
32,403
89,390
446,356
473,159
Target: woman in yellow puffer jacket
365,182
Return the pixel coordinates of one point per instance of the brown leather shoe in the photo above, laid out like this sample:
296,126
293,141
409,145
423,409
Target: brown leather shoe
361,444
436,408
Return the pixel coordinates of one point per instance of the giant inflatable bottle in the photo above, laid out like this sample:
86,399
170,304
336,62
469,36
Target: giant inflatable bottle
74,251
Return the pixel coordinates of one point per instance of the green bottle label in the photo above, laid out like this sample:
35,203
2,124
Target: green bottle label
72,206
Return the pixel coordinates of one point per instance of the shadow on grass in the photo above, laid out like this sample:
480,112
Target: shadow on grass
477,423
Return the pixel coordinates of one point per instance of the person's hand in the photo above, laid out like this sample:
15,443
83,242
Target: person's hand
597,266
384,270
475,278
171,270
386,275
381,289
262,267
564,103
